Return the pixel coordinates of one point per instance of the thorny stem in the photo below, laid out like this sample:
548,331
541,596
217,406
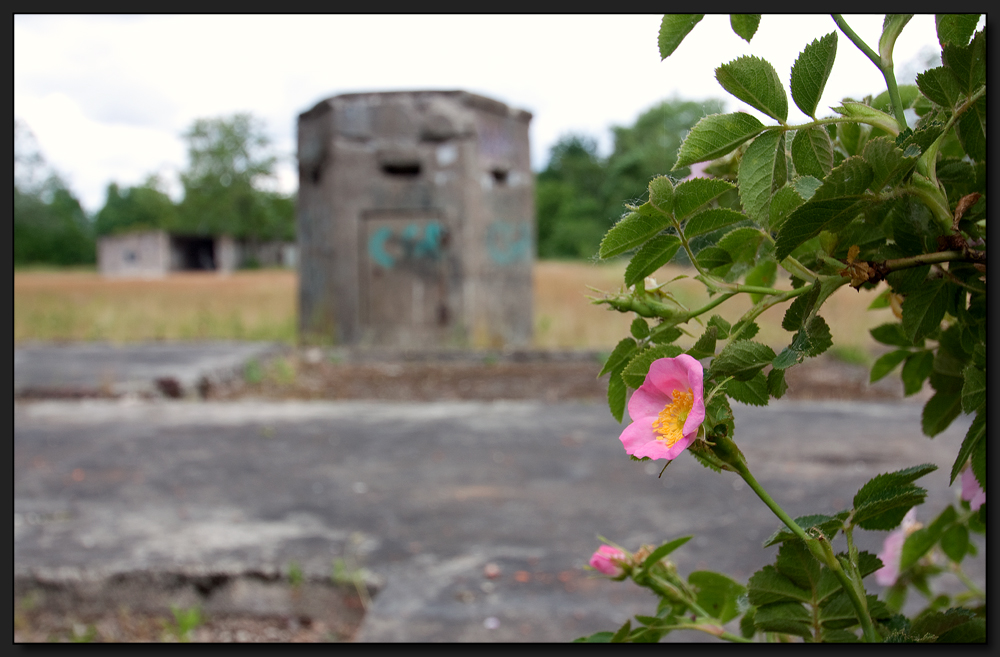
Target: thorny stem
690,253
823,552
884,67
764,304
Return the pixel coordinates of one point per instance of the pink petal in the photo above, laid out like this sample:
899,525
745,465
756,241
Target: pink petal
646,402
669,374
636,435
972,492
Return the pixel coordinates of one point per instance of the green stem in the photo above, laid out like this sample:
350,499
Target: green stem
897,102
713,629
694,261
822,552
969,584
884,67
862,46
764,304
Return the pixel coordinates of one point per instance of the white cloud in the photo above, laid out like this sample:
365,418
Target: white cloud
109,96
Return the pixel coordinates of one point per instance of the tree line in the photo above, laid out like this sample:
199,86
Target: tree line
230,160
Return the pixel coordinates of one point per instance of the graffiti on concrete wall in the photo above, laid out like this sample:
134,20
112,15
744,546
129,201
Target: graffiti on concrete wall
388,247
508,242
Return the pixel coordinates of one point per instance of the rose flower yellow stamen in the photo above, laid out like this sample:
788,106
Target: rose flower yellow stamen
669,424
666,410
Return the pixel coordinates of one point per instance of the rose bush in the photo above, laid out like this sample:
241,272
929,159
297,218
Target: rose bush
861,198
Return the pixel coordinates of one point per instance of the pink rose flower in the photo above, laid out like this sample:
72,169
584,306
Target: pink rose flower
971,491
605,559
666,410
892,549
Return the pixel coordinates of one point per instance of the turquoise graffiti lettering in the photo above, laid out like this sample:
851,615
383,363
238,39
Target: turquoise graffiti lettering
507,243
409,241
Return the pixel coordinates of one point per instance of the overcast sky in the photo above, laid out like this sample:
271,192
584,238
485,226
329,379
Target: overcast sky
108,97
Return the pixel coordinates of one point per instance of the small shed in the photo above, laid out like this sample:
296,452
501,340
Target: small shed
415,221
155,253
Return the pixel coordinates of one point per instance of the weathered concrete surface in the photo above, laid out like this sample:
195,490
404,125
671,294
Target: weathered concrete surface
100,368
426,495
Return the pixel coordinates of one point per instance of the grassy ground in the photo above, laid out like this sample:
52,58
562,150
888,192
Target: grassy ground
261,305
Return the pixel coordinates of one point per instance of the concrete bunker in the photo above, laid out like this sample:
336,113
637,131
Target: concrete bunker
415,221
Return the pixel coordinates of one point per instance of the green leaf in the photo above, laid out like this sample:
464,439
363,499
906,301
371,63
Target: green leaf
937,623
838,612
742,243
812,152
662,551
922,540
713,257
785,201
924,309
755,82
717,594
769,586
635,372
616,396
955,28
829,525
955,542
819,336
747,629
806,186
620,356
632,230
868,115
974,631
665,335
723,326
654,254
745,25
880,483
705,346
753,392
784,617
762,170
891,334
745,334
917,368
978,463
968,63
661,194
799,565
810,72
883,501
596,637
838,636
800,309
717,135
742,360
776,385
889,165
837,201
639,328
939,412
764,274
712,219
975,434
673,29
940,86
887,363
971,130
692,194
622,632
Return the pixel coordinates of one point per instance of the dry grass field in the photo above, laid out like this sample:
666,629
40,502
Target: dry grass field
261,305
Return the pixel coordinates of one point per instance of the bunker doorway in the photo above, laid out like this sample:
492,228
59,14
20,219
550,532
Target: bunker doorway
193,253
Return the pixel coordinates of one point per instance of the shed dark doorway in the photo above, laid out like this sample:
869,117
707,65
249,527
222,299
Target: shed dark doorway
193,253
